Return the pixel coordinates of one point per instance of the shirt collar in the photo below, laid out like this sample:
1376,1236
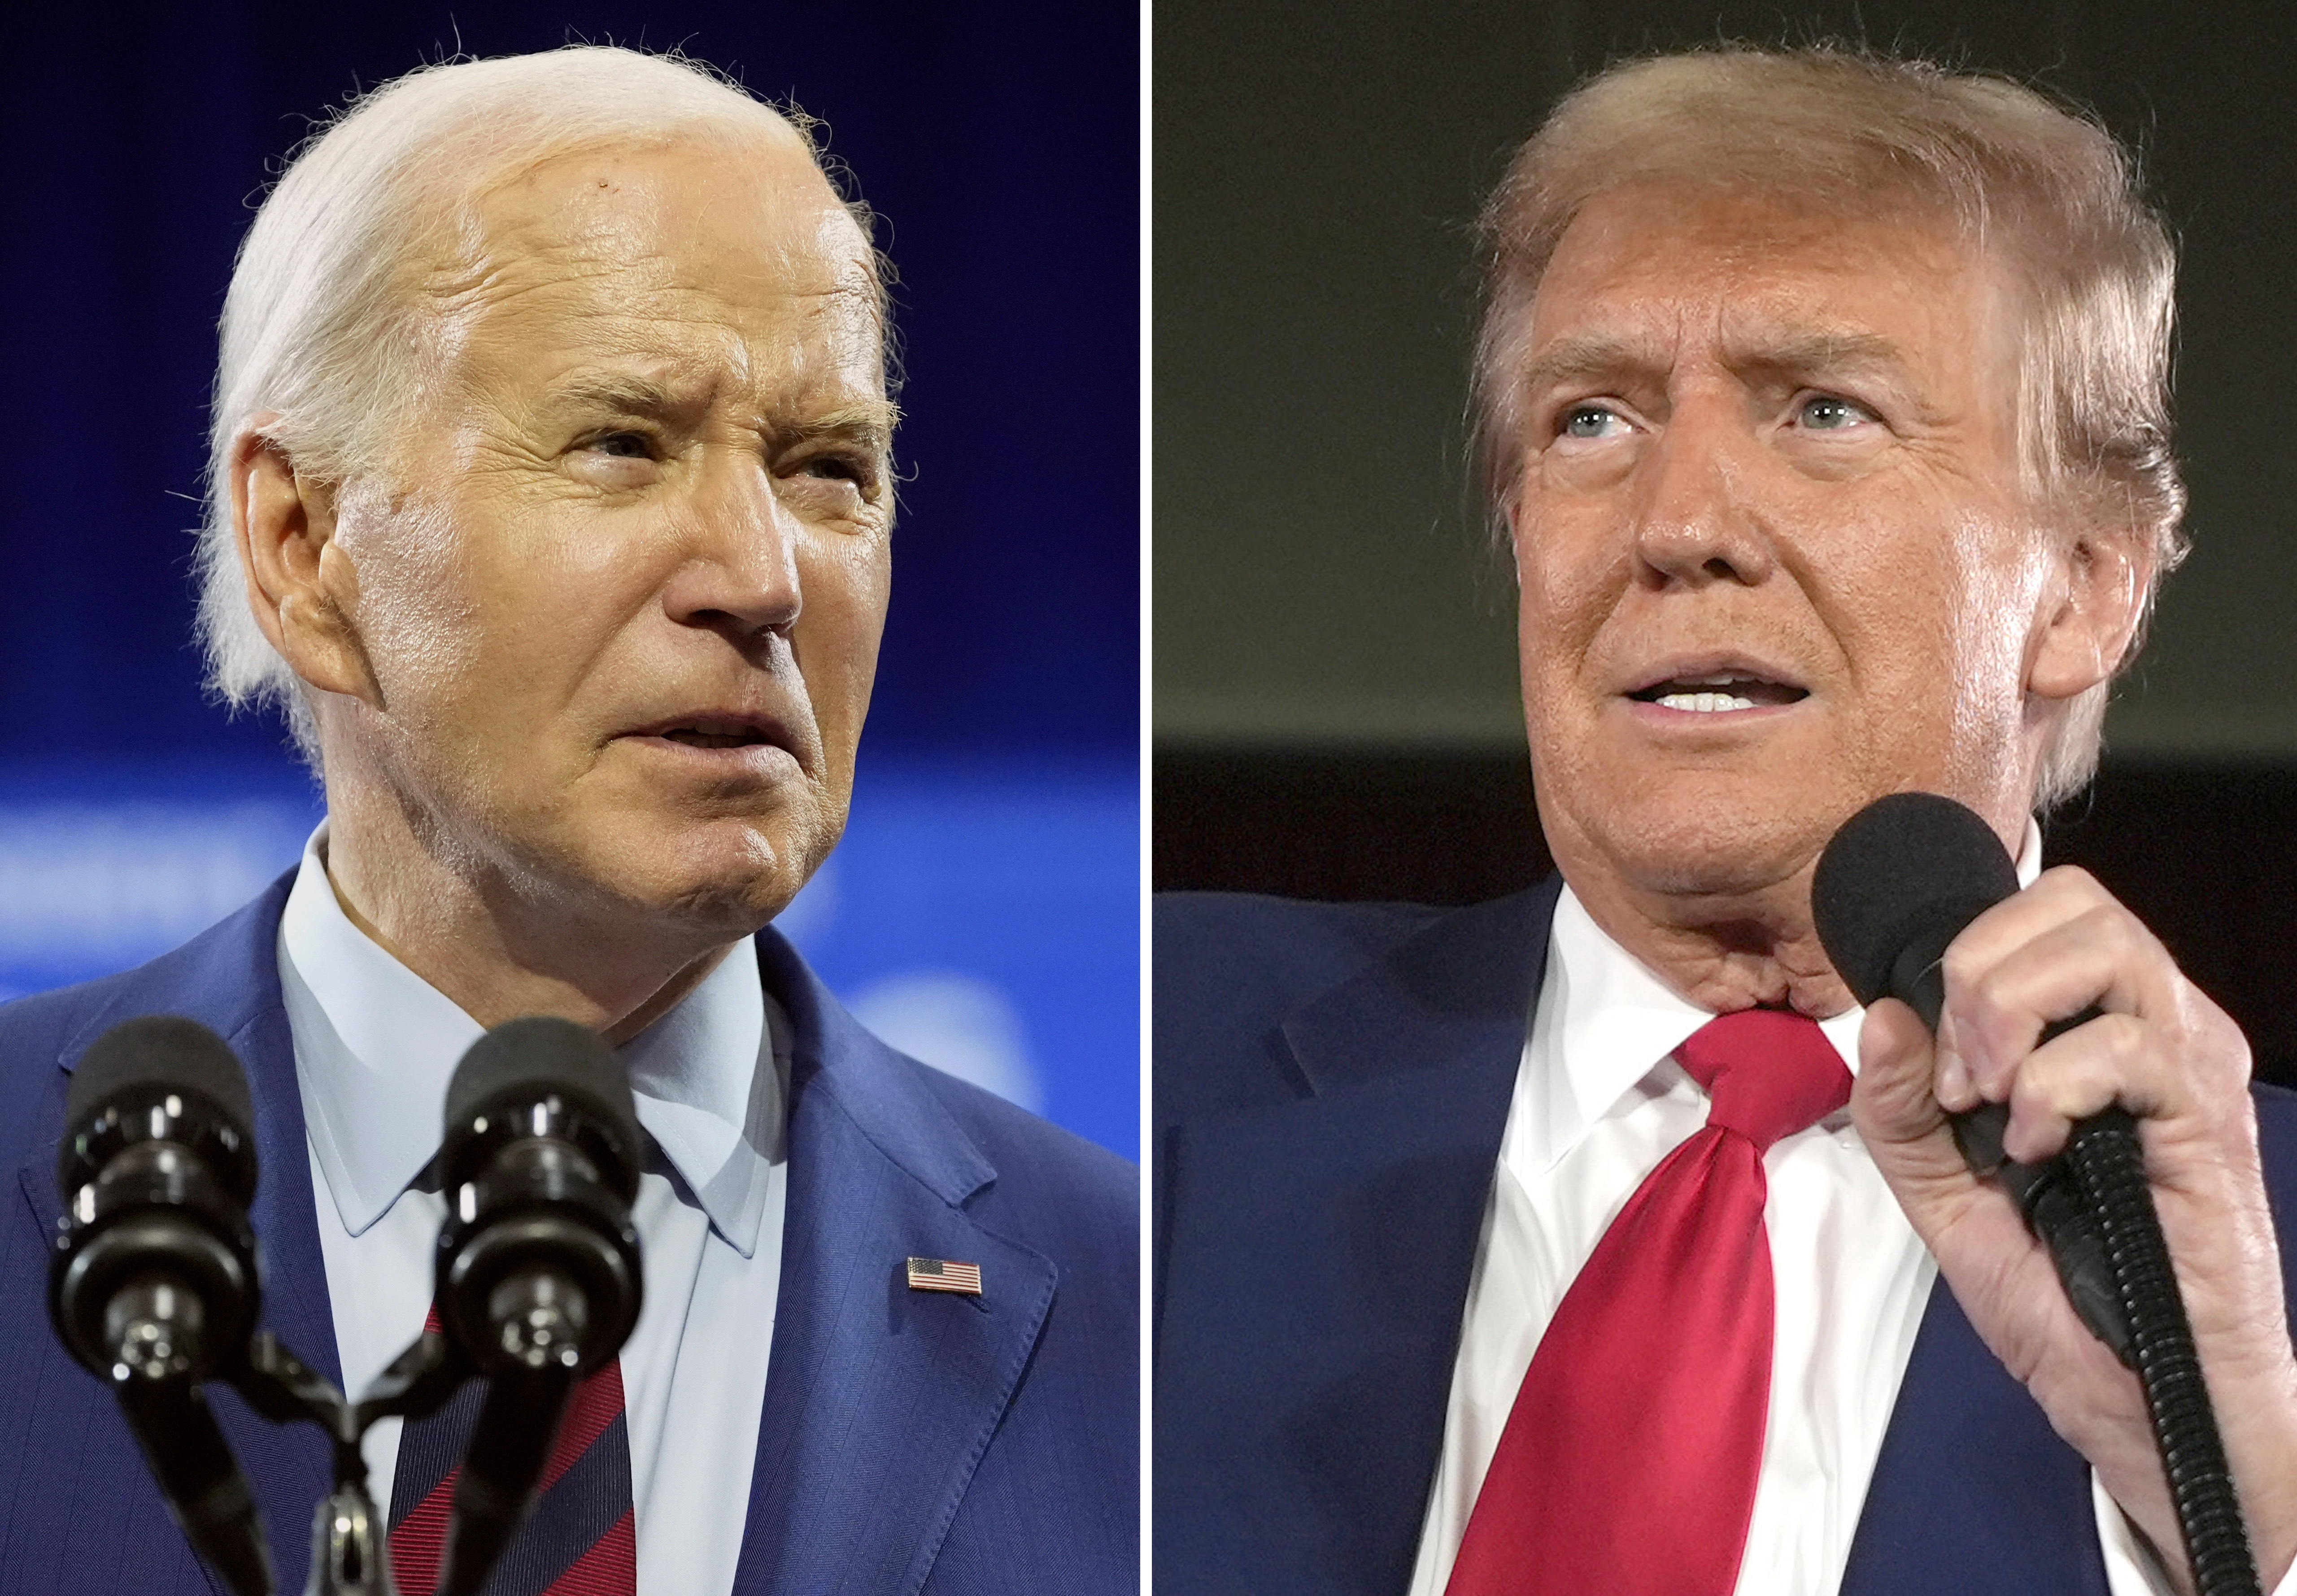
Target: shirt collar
375,1046
1605,1020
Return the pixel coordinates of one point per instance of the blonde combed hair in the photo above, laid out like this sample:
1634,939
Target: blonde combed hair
2046,189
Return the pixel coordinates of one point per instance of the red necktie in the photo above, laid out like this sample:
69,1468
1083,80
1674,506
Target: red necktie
580,1538
1628,1461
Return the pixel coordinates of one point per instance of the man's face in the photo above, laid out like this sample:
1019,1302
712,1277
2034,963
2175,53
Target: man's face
1774,560
620,589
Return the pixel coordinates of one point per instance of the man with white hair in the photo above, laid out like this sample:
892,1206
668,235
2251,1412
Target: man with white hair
551,499
1545,1246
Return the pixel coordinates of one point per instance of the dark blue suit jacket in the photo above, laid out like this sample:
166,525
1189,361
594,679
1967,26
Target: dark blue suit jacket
910,1440
1331,1084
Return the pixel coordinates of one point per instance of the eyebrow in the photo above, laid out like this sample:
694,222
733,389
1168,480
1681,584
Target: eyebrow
1596,355
1588,356
869,420
1823,351
626,392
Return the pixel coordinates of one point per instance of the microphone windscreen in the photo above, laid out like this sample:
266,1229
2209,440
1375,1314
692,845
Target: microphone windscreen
542,1053
1906,872
161,1051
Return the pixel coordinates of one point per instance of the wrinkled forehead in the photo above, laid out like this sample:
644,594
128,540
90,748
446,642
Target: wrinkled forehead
678,248
1661,267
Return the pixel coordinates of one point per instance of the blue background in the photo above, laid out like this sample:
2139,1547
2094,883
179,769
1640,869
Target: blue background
992,859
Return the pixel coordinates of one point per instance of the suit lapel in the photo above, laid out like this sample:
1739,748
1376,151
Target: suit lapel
1973,1492
1321,1251
879,1399
228,980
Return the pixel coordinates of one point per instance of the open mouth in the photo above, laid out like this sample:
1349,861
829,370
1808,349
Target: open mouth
709,732
1717,693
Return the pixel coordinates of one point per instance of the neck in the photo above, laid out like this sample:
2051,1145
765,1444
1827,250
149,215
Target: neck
1722,951
1727,950
499,944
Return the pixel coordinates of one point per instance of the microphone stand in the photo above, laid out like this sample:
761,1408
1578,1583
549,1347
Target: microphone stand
351,1551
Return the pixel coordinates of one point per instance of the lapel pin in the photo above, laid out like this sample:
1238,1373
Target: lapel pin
944,1274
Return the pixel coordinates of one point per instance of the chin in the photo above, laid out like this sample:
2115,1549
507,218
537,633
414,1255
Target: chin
1685,838
727,911
1713,860
724,880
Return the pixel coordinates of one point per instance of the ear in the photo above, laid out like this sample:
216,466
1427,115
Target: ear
2106,574
301,582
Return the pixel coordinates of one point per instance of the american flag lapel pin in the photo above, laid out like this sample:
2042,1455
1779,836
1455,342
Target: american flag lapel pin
944,1274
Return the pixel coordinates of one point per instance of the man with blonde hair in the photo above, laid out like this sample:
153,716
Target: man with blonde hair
1545,1246
551,497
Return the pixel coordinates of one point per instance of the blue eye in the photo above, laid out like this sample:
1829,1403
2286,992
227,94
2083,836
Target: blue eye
1824,413
1587,421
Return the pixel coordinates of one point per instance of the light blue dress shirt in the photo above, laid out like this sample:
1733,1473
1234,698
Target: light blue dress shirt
375,1046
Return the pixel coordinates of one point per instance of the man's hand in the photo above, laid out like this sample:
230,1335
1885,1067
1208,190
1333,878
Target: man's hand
2175,1061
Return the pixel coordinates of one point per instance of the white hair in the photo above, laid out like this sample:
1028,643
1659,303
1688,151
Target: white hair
319,330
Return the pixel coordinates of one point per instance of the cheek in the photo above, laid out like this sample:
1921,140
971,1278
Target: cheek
577,585
1935,636
2009,573
472,618
419,610
1571,570
1985,590
846,582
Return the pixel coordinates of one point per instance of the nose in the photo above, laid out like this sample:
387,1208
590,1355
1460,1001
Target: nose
1697,518
740,574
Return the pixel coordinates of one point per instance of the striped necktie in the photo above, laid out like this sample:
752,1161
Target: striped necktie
580,1537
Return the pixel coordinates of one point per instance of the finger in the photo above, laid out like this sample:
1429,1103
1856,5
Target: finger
1997,1010
2070,1077
1971,1226
2057,895
1956,1092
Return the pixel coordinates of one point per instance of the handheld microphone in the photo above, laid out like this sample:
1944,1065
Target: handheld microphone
1899,882
538,1279
154,1282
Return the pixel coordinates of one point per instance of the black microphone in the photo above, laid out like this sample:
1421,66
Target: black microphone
1898,883
154,1282
538,1279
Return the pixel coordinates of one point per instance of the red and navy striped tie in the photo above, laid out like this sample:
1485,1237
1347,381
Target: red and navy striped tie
581,1539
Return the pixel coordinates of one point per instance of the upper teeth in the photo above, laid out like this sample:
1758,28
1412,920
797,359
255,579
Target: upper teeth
1705,703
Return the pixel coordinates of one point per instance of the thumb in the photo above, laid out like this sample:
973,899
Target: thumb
1896,1108
1893,1101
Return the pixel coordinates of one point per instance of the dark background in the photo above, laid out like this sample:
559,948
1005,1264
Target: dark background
1335,689
983,911
999,146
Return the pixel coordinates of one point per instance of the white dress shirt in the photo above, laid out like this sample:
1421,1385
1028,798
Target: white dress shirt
1599,1102
375,1045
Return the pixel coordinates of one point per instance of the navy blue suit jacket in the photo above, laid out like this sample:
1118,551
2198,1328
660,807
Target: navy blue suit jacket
910,1442
1331,1084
